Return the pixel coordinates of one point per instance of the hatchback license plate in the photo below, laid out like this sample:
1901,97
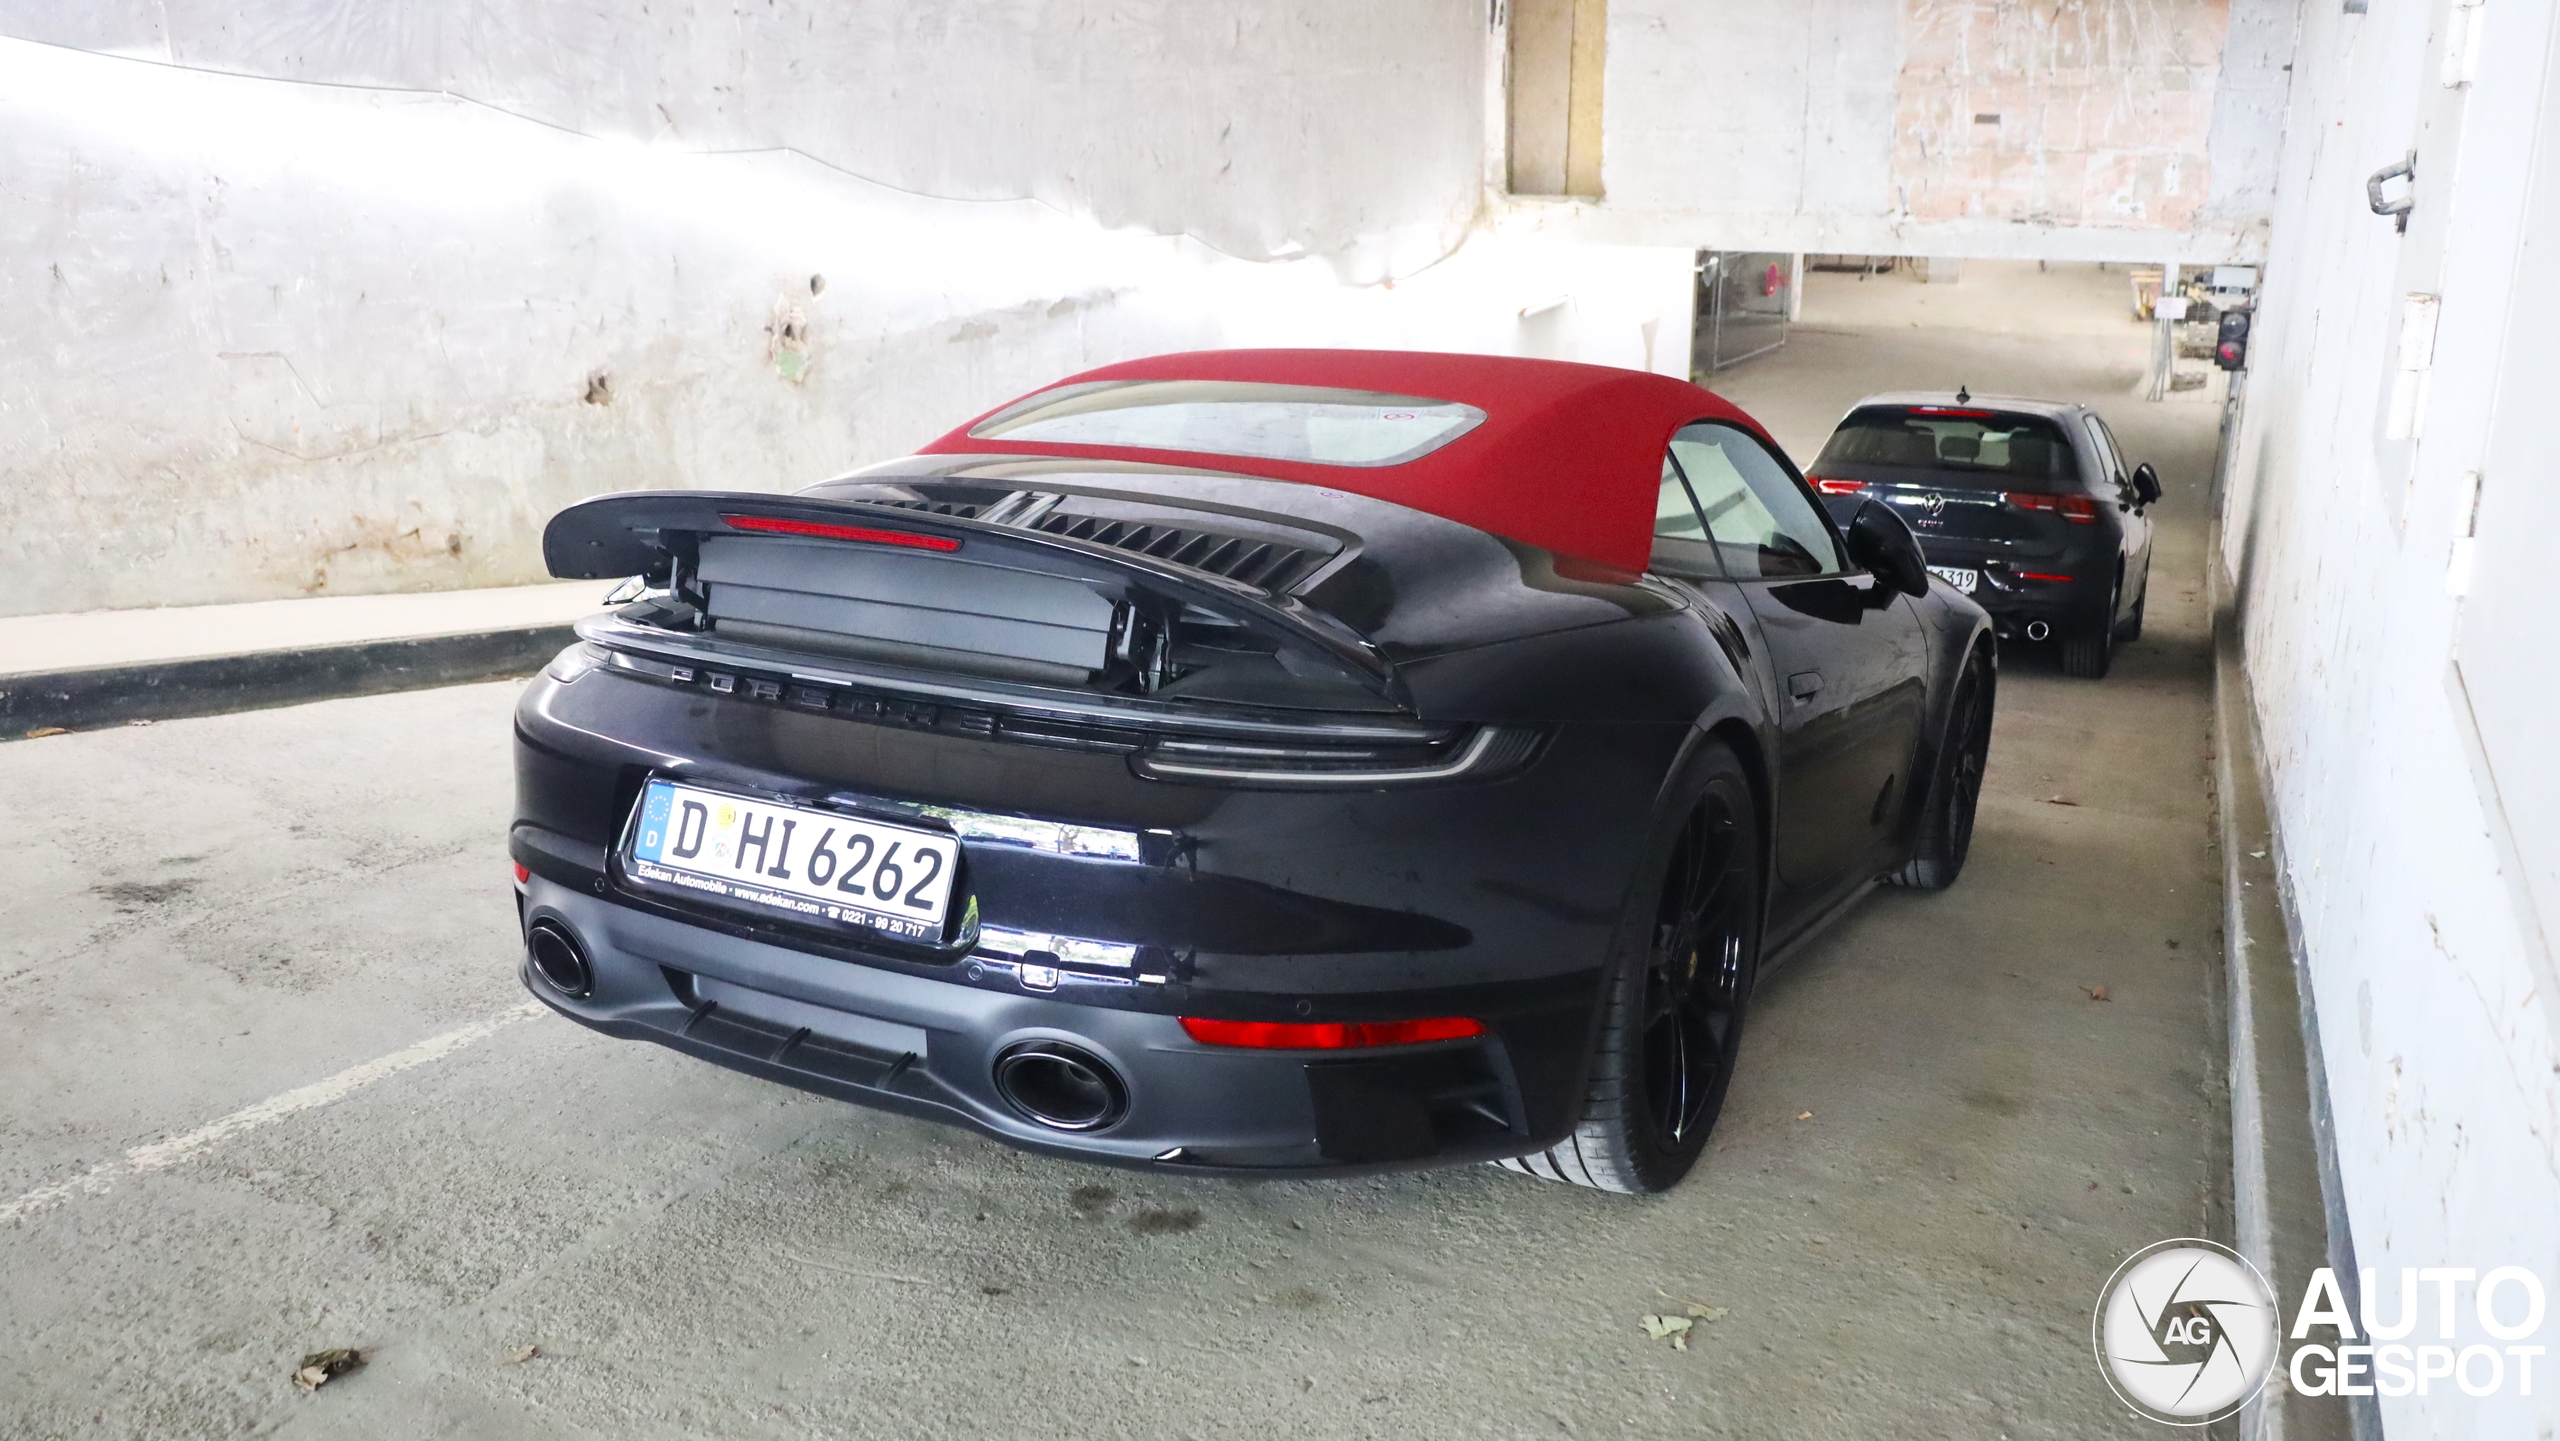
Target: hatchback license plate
1957,576
815,865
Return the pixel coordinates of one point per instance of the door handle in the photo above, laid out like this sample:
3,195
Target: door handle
1803,684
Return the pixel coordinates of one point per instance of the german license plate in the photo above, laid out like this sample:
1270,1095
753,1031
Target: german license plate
813,865
1957,576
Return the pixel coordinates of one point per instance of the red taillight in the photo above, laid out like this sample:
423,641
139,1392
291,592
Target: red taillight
1831,486
1328,1035
522,875
2041,575
774,525
2077,509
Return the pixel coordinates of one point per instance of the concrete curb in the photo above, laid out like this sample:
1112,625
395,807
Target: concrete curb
2287,1208
211,685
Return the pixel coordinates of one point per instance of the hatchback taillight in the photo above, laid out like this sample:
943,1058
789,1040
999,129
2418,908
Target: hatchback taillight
2077,509
1831,485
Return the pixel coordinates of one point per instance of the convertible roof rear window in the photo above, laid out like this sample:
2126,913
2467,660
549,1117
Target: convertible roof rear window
1957,445
1314,424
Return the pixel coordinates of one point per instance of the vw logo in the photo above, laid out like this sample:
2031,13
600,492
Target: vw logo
1934,503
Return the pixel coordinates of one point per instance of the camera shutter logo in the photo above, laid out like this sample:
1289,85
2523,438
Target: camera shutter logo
2186,1331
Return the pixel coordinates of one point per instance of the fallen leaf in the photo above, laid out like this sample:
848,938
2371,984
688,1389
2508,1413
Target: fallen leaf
1680,1342
1699,1309
2098,993
522,1356
40,732
1659,1327
1804,1115
320,1367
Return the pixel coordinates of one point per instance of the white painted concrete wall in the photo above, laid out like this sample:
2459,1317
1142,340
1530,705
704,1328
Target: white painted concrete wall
1327,127
2414,774
263,338
2129,129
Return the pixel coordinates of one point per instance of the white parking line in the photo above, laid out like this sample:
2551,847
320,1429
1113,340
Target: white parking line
160,1155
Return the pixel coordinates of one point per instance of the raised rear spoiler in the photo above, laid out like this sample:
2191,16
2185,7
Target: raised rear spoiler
659,535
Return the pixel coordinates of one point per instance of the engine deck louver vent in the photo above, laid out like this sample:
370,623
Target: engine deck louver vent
1265,564
965,510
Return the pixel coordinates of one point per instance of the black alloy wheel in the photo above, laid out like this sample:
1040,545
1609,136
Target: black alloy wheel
1955,789
1668,1048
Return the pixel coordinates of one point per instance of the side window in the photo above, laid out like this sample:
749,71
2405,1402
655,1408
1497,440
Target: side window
1680,543
1674,513
2114,461
1763,522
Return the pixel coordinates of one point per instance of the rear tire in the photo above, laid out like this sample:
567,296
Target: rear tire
2131,630
2090,647
1955,790
1667,1047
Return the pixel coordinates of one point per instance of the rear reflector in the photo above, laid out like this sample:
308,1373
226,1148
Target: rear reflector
1328,1035
522,875
1829,486
775,525
2077,509
2041,575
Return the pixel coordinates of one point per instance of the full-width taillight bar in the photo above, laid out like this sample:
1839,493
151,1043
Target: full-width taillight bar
821,530
1328,1035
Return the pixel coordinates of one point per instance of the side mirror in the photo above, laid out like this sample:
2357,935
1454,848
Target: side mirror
2146,482
1879,541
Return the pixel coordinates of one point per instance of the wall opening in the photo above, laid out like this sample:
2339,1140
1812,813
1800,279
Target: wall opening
1744,301
1558,50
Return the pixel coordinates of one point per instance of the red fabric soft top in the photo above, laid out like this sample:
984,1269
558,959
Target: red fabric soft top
1568,459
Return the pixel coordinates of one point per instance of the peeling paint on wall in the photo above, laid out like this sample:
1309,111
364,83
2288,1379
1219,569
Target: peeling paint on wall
2089,113
2067,129
262,339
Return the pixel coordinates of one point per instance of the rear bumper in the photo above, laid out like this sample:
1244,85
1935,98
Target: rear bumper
2015,604
927,1047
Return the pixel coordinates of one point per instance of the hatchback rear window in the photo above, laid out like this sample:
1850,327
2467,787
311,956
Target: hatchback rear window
1228,417
1955,446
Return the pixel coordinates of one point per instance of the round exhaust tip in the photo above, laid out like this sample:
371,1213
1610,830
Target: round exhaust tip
2038,630
558,958
1063,1087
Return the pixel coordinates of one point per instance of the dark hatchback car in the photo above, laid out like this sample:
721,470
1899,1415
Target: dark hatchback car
2024,505
1249,763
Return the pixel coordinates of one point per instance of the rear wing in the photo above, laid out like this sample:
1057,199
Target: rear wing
899,577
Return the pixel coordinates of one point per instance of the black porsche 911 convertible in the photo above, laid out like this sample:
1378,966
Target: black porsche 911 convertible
1249,763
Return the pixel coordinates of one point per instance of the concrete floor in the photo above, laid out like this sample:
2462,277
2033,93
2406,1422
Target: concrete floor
226,940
